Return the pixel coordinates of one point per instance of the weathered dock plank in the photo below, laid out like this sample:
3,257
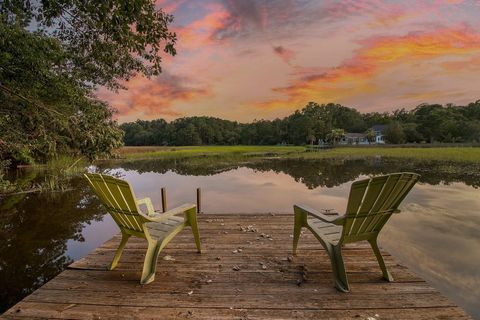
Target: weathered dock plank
269,284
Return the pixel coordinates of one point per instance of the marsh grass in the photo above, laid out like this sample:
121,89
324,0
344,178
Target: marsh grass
455,154
196,151
66,165
59,171
55,175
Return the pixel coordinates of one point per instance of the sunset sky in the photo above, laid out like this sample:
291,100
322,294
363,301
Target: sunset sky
251,59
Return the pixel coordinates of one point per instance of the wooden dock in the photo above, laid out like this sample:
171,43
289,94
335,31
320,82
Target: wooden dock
268,284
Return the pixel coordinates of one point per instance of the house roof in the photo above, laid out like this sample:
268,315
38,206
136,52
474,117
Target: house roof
378,127
355,135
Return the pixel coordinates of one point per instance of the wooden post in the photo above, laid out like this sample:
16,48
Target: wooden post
199,200
164,199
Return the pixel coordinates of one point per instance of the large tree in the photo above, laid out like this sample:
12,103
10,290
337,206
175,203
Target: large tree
55,54
103,41
394,133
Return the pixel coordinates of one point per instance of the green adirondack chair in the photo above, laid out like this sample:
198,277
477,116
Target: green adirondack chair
157,228
370,205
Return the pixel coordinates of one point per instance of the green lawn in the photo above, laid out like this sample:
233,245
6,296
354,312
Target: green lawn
457,154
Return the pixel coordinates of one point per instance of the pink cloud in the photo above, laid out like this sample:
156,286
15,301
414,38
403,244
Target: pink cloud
201,32
154,98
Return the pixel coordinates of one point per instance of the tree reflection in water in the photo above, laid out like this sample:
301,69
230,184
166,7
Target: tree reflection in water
34,230
315,173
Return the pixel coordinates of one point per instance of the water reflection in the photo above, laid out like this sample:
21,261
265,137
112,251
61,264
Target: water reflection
315,173
436,235
34,231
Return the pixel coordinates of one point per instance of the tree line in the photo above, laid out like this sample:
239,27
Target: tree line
424,124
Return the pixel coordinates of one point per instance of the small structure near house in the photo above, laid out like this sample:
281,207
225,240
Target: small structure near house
322,144
379,136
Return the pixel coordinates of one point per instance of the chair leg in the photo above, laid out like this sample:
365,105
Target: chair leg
338,267
150,263
119,251
192,221
297,228
386,275
300,220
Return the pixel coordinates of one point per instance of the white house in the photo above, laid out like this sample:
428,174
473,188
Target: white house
354,138
361,138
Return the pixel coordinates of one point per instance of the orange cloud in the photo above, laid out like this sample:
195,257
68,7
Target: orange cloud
355,75
153,98
201,32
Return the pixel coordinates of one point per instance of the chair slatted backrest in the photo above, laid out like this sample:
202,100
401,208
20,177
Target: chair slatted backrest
372,202
118,198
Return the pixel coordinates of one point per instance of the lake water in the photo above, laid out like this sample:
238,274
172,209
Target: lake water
436,235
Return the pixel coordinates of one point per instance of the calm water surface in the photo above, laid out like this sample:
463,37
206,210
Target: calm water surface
437,234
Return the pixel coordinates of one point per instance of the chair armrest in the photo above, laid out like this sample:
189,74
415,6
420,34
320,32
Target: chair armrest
157,217
319,215
147,202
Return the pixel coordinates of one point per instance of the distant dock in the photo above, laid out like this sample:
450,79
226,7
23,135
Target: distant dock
245,272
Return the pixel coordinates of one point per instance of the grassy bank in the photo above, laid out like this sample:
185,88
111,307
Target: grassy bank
456,154
460,154
193,151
